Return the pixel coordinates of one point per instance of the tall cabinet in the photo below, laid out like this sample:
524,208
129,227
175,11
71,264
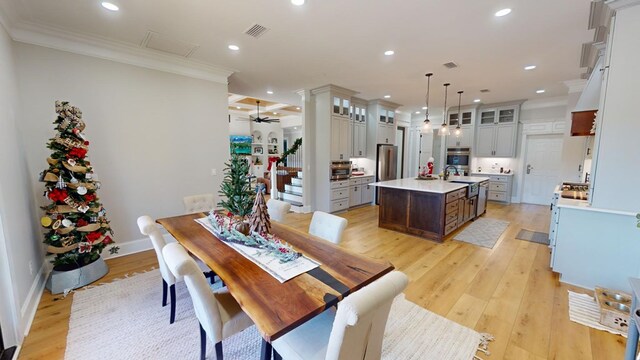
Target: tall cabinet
359,128
496,135
333,139
381,125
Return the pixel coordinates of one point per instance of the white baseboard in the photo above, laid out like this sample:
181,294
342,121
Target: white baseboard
128,248
30,306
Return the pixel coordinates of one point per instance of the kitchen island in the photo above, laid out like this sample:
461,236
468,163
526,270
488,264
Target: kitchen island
431,209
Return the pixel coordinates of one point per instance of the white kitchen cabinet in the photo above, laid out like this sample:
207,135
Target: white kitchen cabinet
496,135
467,127
360,191
464,140
359,130
341,106
499,186
340,138
381,125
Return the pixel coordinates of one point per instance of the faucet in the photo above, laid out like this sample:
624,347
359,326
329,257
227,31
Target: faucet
446,173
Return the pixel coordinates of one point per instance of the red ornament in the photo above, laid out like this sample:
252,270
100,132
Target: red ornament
76,152
93,236
82,222
86,143
107,240
89,197
58,194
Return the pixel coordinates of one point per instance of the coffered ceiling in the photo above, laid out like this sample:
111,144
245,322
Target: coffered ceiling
343,42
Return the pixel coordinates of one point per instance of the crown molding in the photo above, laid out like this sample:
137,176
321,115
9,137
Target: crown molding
545,103
387,103
58,39
621,4
4,18
333,88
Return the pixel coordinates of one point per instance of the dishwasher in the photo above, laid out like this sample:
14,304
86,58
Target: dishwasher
482,198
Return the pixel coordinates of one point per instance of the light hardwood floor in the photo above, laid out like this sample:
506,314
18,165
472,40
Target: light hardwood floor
508,291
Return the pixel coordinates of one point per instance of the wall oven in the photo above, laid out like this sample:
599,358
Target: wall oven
340,170
460,158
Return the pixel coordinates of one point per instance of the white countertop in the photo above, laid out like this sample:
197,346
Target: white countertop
432,186
491,173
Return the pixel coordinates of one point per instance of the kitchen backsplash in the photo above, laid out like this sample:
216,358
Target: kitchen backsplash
492,164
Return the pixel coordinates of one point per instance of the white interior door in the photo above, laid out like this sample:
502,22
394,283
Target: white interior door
541,168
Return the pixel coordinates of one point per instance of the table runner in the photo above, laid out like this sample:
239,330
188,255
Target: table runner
272,265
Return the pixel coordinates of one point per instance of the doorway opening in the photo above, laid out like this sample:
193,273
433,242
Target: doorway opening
400,135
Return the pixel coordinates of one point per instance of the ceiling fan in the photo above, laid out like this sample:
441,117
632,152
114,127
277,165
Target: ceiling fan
259,119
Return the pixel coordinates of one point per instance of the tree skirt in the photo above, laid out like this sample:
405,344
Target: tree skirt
125,320
483,232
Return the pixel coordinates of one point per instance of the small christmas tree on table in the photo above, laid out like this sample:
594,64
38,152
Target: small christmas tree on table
259,219
236,191
76,223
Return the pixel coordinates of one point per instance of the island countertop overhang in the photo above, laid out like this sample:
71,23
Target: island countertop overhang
432,186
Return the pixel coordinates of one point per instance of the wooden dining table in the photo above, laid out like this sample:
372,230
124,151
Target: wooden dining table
277,308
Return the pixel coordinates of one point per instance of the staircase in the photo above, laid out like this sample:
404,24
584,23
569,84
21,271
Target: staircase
293,193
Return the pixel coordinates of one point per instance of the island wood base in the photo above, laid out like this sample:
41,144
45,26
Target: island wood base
426,214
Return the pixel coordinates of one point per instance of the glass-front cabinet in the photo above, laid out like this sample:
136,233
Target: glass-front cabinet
488,117
341,106
506,116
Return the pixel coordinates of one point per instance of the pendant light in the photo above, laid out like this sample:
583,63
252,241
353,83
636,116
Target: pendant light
458,130
426,127
444,129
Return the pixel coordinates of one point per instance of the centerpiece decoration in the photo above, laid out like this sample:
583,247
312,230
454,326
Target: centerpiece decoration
236,192
225,230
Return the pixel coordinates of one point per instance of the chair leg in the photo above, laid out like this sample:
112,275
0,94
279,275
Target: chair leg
276,356
265,351
172,290
165,288
219,350
203,343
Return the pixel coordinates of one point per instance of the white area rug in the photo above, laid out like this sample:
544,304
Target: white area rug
483,232
124,320
583,309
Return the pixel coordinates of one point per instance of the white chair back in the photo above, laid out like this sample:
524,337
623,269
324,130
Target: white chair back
204,302
277,209
358,328
327,226
149,228
199,203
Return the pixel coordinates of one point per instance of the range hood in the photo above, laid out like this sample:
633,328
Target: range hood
583,116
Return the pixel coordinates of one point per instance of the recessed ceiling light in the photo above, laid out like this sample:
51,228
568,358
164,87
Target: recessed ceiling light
476,100
503,12
529,67
387,96
269,92
541,91
424,108
417,112
389,52
275,113
234,47
110,6
238,107
297,108
297,2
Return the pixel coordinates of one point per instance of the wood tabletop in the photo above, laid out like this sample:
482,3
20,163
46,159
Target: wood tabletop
276,308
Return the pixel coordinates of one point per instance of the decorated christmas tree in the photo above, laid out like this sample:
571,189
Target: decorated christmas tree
259,219
76,223
236,187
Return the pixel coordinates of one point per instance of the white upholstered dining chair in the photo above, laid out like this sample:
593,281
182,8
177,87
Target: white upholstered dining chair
327,226
219,314
199,203
277,209
354,331
149,228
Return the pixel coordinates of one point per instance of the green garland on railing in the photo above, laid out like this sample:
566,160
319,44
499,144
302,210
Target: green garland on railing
292,150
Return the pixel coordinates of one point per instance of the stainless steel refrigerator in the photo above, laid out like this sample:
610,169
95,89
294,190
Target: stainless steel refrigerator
386,164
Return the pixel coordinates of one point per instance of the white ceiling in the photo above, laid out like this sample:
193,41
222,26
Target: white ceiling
342,42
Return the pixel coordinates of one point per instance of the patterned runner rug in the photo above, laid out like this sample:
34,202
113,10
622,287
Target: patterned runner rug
483,232
124,320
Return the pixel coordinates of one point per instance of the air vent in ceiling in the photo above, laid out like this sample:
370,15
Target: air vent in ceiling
450,65
256,30
166,44
484,90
